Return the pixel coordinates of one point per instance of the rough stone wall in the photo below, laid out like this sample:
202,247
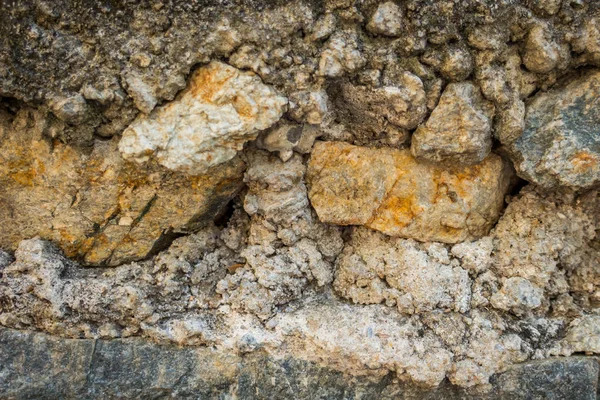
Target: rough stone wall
403,190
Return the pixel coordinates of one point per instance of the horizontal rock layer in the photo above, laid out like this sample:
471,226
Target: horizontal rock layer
388,190
279,302
38,366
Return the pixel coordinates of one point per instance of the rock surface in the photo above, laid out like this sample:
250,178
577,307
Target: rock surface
99,369
438,291
425,312
98,207
560,145
459,130
221,109
389,109
388,190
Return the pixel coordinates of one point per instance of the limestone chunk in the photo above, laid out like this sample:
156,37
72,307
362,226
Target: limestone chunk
208,123
389,191
588,41
374,268
307,106
541,52
341,55
510,122
72,110
560,145
459,130
537,235
454,62
285,139
518,295
457,64
386,20
475,256
584,334
96,206
323,27
143,94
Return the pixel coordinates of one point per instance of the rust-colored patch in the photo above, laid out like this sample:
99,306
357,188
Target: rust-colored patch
208,81
584,161
243,107
395,212
234,267
398,195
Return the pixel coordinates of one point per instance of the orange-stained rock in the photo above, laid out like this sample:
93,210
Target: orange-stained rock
207,124
98,207
388,190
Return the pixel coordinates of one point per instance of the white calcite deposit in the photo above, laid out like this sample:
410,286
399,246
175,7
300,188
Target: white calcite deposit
221,109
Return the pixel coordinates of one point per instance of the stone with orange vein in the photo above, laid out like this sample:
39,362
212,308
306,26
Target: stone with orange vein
388,190
221,109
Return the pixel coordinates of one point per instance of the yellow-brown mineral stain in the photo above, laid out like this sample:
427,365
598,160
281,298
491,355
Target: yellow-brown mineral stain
584,161
393,193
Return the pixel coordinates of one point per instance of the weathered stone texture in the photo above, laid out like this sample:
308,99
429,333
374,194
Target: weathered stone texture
98,207
101,369
391,109
388,190
560,145
139,197
262,284
221,109
458,131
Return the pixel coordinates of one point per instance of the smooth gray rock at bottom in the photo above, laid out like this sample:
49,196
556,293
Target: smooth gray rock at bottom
38,366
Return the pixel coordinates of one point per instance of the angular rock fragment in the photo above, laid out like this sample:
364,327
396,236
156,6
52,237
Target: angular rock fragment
287,138
560,145
341,55
208,123
386,20
541,52
389,191
459,130
540,235
517,295
96,206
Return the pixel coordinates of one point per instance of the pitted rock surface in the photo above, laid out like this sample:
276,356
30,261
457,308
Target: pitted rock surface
100,208
309,199
221,109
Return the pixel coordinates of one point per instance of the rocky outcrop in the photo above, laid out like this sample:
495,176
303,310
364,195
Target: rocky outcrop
388,190
100,208
160,178
221,109
560,145
425,312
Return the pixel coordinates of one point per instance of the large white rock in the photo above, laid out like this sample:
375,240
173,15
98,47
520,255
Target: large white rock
221,109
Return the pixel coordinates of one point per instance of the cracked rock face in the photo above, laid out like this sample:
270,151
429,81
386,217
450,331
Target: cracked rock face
300,199
209,122
98,207
389,191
